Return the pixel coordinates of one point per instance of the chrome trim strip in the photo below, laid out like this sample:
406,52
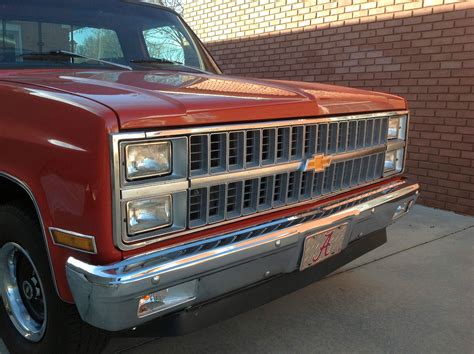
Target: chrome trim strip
230,177
51,229
395,145
28,190
155,190
269,124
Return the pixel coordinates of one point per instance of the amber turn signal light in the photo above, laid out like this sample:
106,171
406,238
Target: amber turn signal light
73,240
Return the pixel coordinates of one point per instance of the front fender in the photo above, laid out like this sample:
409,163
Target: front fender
55,146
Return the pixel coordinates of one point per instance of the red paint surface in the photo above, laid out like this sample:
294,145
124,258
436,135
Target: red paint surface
163,99
55,126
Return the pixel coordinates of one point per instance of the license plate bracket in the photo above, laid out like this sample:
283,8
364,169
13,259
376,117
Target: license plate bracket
322,245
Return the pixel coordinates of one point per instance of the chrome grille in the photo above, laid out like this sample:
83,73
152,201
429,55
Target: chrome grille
239,151
226,201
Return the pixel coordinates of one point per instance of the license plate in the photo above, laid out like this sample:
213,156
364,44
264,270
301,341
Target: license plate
323,245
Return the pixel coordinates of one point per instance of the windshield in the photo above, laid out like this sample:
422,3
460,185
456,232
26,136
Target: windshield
45,34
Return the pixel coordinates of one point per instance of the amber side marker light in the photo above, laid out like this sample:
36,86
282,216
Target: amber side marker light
73,240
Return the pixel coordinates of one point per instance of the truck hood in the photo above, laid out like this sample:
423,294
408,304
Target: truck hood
155,99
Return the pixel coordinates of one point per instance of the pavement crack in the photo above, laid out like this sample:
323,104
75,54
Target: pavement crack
401,251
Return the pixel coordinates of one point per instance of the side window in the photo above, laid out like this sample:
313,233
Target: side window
12,39
96,43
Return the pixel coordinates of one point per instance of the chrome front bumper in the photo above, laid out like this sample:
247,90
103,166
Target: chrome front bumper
107,296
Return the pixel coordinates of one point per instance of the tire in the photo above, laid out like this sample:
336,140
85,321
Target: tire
63,331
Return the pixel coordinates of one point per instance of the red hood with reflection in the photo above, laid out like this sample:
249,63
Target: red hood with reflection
154,99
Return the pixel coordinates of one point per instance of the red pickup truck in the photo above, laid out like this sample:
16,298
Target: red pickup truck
144,191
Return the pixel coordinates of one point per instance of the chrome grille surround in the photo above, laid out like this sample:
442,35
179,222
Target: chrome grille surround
257,168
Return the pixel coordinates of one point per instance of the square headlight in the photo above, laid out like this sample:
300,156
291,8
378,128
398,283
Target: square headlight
397,128
149,214
147,160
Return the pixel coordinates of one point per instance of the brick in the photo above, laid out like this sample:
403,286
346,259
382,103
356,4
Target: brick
423,53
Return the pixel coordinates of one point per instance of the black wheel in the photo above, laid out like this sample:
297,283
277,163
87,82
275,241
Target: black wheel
32,317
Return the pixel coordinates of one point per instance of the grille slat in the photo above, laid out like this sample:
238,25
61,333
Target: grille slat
234,200
218,153
197,214
369,132
310,140
268,146
322,140
297,143
332,138
342,137
265,193
216,209
199,155
252,148
281,185
283,145
236,151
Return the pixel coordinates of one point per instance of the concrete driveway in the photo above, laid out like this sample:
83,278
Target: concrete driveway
413,295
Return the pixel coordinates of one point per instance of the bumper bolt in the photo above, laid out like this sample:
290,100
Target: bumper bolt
155,280
267,274
278,243
373,210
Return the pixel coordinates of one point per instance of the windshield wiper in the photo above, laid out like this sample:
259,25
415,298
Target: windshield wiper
66,54
161,61
155,61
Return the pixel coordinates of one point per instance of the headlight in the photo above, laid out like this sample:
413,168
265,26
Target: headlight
147,160
393,161
397,128
149,214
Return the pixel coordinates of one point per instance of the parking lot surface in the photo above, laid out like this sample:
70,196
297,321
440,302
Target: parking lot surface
415,294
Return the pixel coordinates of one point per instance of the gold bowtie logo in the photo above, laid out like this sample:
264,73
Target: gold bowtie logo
318,163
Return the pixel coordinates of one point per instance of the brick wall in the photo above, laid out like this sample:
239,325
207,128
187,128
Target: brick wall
421,50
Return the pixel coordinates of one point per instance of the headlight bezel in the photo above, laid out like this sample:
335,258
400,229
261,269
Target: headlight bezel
399,162
178,218
173,183
178,154
396,144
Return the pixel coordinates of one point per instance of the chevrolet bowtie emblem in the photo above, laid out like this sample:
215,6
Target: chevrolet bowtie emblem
317,163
